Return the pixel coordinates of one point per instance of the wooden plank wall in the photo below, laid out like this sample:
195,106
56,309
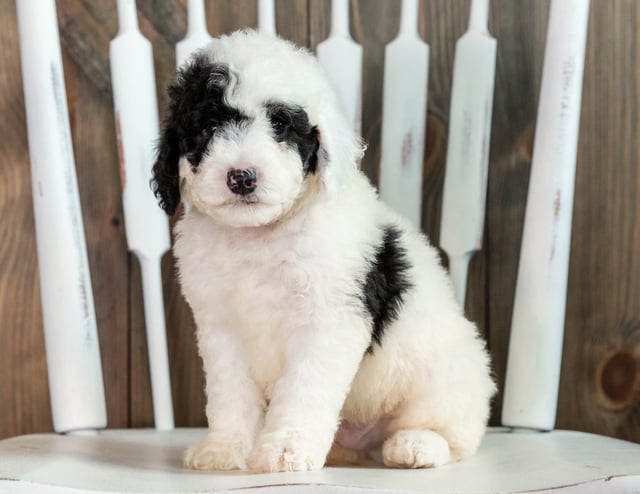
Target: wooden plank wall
600,385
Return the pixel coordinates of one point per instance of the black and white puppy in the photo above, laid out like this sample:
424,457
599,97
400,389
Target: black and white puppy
323,317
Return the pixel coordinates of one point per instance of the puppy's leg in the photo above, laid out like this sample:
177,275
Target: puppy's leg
304,411
417,448
444,418
423,434
235,406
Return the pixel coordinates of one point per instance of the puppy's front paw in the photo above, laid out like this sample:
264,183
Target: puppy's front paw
415,449
218,452
286,451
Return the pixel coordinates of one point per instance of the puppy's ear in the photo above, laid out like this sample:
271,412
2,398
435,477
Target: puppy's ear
340,148
166,178
199,84
165,174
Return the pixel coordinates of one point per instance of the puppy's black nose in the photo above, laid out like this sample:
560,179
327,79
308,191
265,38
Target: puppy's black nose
241,182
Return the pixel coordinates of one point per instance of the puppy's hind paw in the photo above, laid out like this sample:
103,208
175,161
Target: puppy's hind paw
415,449
217,453
284,451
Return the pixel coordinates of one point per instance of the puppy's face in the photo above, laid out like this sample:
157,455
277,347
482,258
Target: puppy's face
240,143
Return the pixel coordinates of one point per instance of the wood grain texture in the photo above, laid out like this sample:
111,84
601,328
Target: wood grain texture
518,73
602,340
100,196
600,384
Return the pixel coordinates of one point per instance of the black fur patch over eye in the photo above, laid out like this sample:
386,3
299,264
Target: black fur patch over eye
290,124
386,283
197,110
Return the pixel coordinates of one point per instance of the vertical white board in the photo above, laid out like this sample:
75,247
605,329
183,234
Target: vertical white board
537,327
341,57
404,110
465,182
146,225
267,17
71,337
197,35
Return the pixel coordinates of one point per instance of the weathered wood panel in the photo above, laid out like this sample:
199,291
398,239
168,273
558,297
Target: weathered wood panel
601,380
518,73
600,388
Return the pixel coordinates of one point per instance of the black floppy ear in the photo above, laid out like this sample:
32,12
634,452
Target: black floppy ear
192,102
166,178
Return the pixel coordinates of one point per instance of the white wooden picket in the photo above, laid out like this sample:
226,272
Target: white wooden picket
71,337
146,225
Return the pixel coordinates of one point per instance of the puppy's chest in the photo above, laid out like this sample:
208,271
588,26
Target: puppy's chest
266,299
257,286
267,292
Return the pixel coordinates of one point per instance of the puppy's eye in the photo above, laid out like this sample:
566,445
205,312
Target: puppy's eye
211,127
279,124
191,157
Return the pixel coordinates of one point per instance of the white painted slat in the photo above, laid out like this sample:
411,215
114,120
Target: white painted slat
537,328
146,225
73,354
267,17
404,107
465,183
197,35
341,57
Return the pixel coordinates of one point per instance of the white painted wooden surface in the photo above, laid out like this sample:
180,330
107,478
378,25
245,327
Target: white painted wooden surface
197,35
537,328
341,57
146,225
267,16
151,461
404,107
73,355
467,168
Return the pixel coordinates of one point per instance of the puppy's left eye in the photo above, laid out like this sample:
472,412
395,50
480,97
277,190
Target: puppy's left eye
279,124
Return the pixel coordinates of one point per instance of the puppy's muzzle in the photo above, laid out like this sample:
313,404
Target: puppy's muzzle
242,182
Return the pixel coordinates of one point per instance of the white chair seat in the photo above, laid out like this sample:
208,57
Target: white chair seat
127,461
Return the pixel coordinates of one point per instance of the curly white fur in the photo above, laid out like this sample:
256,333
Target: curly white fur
276,288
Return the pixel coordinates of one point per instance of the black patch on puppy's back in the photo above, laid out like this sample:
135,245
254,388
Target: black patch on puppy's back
386,283
290,124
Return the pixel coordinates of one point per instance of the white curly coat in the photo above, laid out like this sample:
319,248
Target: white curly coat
274,283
